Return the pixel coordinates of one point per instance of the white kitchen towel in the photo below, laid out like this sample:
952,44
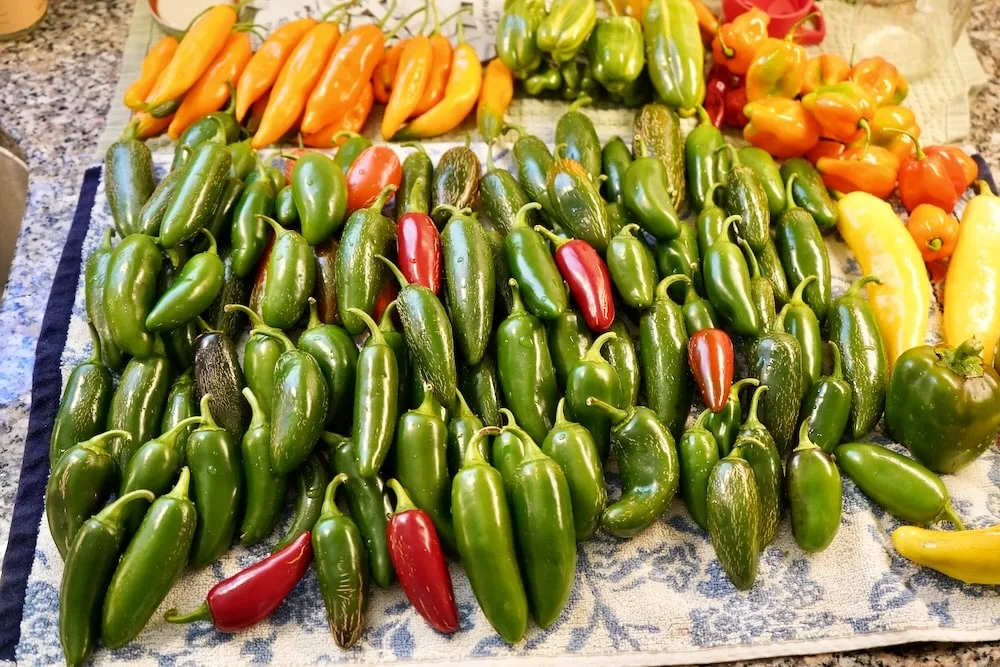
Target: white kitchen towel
660,598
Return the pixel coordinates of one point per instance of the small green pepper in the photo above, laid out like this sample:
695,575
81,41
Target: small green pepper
83,408
348,151
756,447
265,488
516,45
615,160
727,283
711,222
152,211
615,50
198,195
571,446
697,452
776,360
569,338
620,353
803,253
594,377
762,164
726,423
531,264
770,268
809,191
284,207
576,134
130,292
577,204
320,193
704,164
565,28
533,160
95,278
743,195
801,322
761,291
191,292
698,311
409,377
462,427
210,128
632,268
663,354
680,256
291,274
128,180
414,193
508,449
645,195
815,497
827,406
337,356
249,233
366,234
734,519
260,356
482,385
137,405
375,400
309,480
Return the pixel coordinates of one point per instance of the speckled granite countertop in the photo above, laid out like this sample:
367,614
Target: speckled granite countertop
57,87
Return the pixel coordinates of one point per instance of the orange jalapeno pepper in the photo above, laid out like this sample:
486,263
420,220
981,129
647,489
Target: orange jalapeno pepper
892,129
934,230
778,68
842,110
352,121
736,42
212,90
881,78
935,175
824,70
864,168
152,66
782,127
265,65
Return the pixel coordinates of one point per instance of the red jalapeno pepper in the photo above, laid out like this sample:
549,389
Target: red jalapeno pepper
710,356
416,554
418,244
588,278
375,168
250,595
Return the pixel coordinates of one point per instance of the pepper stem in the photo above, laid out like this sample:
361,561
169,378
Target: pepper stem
703,115
330,508
373,331
257,417
561,412
426,407
207,421
334,440
180,489
734,390
612,10
463,406
213,248
382,198
916,144
516,129
278,229
805,442
727,50
557,241
520,219
101,438
616,414
594,353
752,417
662,293
733,155
837,371
454,211
800,290
385,324
751,259
790,35
789,197
403,282
472,454
277,334
171,436
403,501
640,147
95,339
314,320
779,321
532,451
516,304
112,514
508,416
983,187
965,360
726,224
202,613
855,289
710,195
392,33
628,230
699,423
582,101
949,513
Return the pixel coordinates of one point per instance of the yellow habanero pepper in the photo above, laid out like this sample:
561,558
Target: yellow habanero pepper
972,556
885,249
972,288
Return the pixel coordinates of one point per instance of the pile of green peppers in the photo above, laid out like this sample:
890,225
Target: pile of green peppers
571,52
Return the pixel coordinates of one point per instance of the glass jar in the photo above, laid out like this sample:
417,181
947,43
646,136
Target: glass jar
914,35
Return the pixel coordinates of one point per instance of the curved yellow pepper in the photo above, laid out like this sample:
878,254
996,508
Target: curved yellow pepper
972,287
972,556
885,249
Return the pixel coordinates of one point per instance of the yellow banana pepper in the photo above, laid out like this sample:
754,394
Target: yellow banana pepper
972,287
885,249
972,556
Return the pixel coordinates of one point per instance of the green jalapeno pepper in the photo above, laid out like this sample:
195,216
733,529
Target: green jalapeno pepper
137,405
527,376
221,223
770,268
531,264
198,195
663,354
646,196
615,160
150,566
485,539
348,151
284,207
776,360
181,404
244,158
647,463
516,45
762,164
414,193
482,385
594,377
217,477
632,268
674,54
337,357
502,197
130,291
95,277
325,290
533,161
704,164
128,180
375,400
235,290
800,321
827,406
291,276
151,215
576,132
711,222
658,128
757,447
620,353
83,409
568,338
547,80
217,372
211,128
680,256
462,427
743,195
508,449
310,480
571,446
320,193
577,204
395,340
761,291
698,311
815,498
734,519
456,181
726,423
727,283
809,191
803,253
191,292
260,356
698,453
249,233
341,570
265,489
366,234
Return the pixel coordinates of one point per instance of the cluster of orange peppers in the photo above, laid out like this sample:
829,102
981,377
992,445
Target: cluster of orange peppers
309,77
846,119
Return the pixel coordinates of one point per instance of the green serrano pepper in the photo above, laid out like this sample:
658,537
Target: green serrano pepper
375,400
571,446
337,356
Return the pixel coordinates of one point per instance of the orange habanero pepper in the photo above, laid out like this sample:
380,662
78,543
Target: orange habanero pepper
735,43
824,70
152,66
892,128
864,168
265,66
842,110
201,44
495,96
353,120
936,175
934,230
778,68
212,90
881,78
782,127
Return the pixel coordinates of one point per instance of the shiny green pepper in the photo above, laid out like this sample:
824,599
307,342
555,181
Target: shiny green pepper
615,50
565,29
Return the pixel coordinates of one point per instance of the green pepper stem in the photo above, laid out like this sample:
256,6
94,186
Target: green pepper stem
99,440
314,320
751,259
207,421
734,390
612,10
752,417
699,423
837,371
472,454
594,353
582,101
329,12
855,289
727,50
279,231
797,299
403,501
170,437
373,331
789,196
490,164
403,282
201,613
557,241
385,324
726,224
276,334
916,144
790,35
508,416
516,304
525,437
516,129
640,147
333,440
111,515
407,144
710,195
703,115
330,508
382,198
733,155
520,219
426,407
257,417
454,211
213,248
966,360
805,442
949,513
662,288
95,340
106,239
628,230
779,321
463,407
561,412
180,489
616,414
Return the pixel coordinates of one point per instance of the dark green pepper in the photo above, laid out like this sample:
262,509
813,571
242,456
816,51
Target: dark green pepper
409,377
95,277
291,276
615,160
325,290
594,377
762,164
711,222
897,484
367,234
217,372
761,291
482,385
527,376
615,51
181,404
375,400
827,406
130,292
337,356
548,80
341,570
221,223
697,452
815,498
422,464
632,268
809,191
570,72
705,165
199,194
249,234
81,482
680,256
943,404
726,423
576,134
462,427
320,193
502,197
244,158
210,128
533,161
485,539
235,290
577,204
83,409
727,283
659,129
217,479
137,405
414,193
260,356
770,268
90,564
757,447
647,464
776,360
803,253
150,566
743,195
470,283
569,339
153,210
800,321
309,480
663,352
128,180
191,292
284,207
530,263
516,46
853,327
353,146
571,446
265,489
456,181
698,311
645,195
620,353
734,519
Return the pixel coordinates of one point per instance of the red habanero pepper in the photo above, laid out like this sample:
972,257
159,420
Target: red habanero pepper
721,82
587,276
736,100
736,42
376,167
250,595
935,175
418,245
710,356
415,550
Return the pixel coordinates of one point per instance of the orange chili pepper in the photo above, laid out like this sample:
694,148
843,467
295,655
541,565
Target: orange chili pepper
778,68
265,66
495,96
865,168
297,79
201,44
147,126
386,71
881,78
934,230
782,127
212,90
409,84
735,43
708,22
152,65
441,65
936,175
460,96
842,110
884,124
352,121
823,70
